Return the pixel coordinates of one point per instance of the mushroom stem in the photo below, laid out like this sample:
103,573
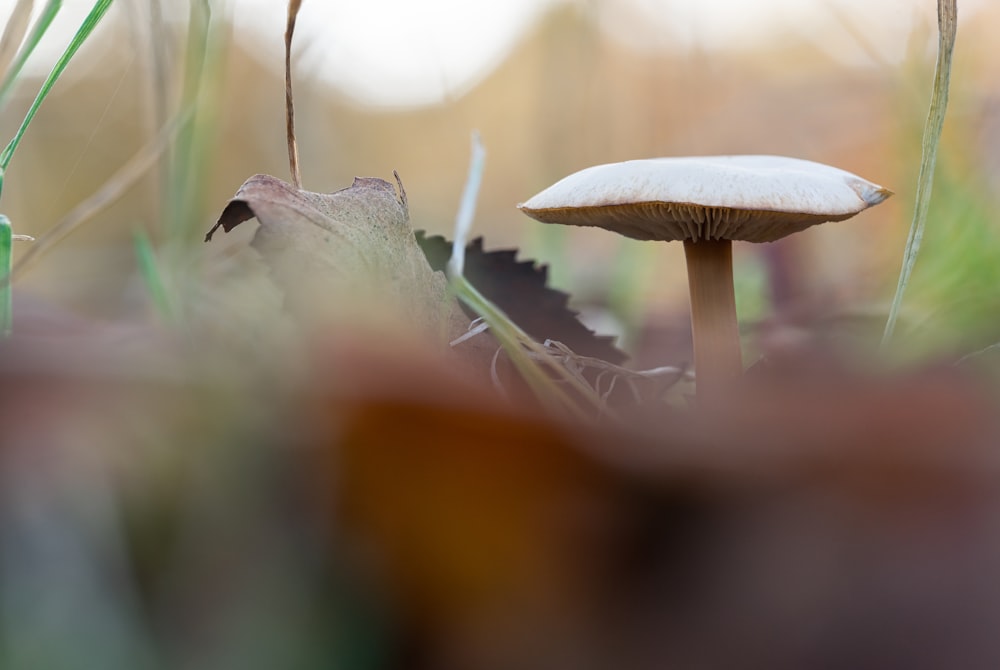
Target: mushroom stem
717,357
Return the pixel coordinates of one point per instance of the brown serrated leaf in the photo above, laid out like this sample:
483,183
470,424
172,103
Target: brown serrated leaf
520,288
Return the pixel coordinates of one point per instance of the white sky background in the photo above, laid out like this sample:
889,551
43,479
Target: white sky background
413,52
401,53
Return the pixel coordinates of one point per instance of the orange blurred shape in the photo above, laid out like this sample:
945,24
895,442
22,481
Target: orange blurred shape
482,520
504,539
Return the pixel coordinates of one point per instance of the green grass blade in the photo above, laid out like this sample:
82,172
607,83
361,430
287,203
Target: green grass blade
6,240
947,26
45,19
152,276
189,158
84,31
530,358
526,355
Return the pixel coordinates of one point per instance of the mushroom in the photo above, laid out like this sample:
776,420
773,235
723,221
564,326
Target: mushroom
707,202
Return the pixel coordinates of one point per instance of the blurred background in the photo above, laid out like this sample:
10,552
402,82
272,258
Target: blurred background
187,482
553,86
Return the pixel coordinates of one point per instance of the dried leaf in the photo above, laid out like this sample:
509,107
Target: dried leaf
343,255
519,289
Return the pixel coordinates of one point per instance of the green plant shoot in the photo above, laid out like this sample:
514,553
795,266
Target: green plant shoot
86,28
152,275
530,358
6,240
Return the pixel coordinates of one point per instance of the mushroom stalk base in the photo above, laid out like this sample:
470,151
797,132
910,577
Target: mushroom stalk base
717,357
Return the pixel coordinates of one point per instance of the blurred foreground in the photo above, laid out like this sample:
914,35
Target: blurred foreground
348,501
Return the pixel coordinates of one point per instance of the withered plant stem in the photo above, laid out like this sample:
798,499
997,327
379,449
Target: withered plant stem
293,147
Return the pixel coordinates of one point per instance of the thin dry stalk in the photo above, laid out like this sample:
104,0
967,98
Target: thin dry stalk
14,32
947,29
293,147
126,176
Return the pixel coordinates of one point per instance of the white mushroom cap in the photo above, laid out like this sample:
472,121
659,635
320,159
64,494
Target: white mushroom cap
749,198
